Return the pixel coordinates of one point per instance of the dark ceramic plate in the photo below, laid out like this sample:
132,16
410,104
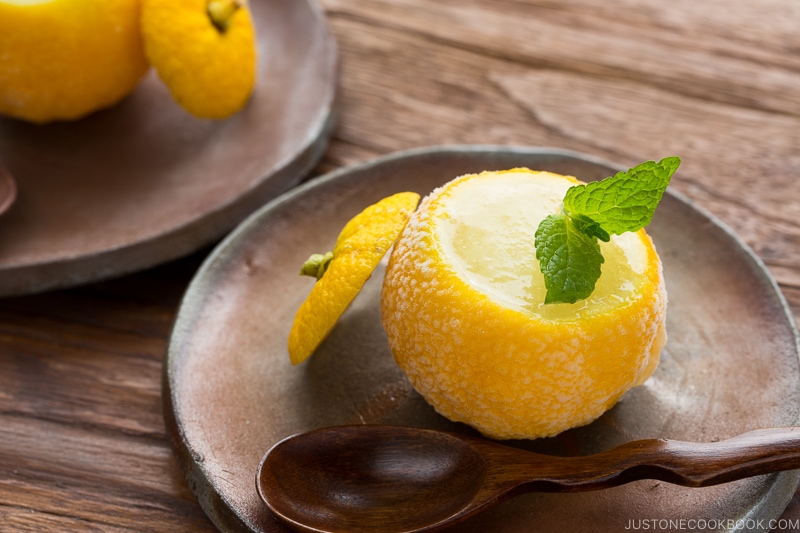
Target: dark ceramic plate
730,364
144,182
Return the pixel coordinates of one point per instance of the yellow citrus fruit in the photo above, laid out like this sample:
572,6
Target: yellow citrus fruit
204,51
359,248
463,308
63,59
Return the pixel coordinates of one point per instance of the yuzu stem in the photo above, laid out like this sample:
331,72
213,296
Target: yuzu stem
316,265
221,11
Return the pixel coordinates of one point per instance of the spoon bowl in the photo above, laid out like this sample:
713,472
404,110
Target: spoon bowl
398,479
354,486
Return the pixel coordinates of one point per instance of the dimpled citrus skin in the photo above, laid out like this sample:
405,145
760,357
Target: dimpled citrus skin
359,248
210,73
63,59
510,366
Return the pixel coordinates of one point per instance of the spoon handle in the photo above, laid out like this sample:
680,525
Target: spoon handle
689,464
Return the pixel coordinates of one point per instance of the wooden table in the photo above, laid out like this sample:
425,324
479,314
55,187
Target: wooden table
717,82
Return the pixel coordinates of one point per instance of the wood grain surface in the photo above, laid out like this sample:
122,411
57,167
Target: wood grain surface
717,82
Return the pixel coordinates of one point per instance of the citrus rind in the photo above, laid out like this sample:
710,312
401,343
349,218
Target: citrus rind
209,72
510,370
359,248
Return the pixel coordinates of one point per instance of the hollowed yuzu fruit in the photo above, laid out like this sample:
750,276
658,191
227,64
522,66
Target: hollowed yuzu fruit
463,308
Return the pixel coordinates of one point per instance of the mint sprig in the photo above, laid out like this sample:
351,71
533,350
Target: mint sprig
566,244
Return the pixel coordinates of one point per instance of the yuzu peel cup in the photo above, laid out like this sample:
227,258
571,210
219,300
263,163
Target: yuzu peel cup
479,344
463,300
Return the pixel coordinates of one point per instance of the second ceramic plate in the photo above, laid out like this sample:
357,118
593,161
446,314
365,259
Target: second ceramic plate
730,364
145,182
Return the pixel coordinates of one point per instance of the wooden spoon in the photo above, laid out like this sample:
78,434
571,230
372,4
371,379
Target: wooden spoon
393,479
8,189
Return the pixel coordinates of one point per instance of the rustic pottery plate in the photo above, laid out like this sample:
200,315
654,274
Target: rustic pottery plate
730,365
145,182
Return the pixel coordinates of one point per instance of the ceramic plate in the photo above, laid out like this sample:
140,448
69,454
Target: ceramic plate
730,364
145,182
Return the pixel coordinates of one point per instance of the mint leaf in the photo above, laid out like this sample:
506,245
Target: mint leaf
570,260
589,227
566,244
625,202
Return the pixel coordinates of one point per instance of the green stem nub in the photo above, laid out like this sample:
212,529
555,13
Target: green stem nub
316,265
221,11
